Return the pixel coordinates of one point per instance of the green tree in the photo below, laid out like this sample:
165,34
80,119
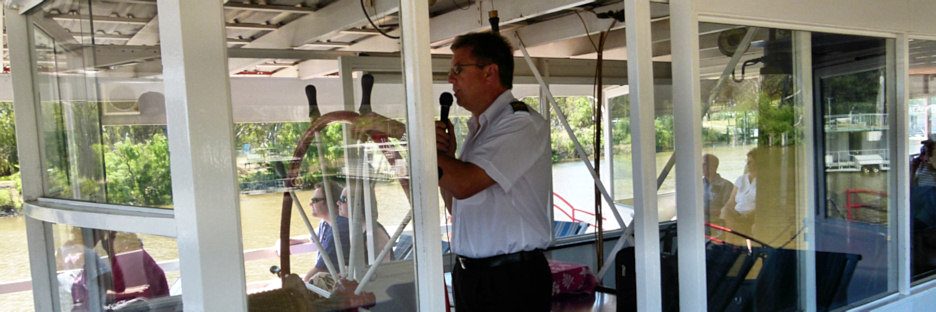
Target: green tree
138,173
9,161
852,93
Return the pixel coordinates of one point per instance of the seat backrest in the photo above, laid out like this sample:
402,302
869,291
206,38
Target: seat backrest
402,247
569,228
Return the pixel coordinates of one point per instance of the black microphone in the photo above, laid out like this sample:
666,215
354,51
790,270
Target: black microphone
367,86
446,101
313,103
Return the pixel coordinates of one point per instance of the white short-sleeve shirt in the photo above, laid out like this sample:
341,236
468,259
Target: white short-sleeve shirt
512,147
747,194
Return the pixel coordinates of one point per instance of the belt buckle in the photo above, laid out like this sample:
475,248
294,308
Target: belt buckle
461,261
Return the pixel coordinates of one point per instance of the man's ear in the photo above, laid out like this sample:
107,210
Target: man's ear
493,72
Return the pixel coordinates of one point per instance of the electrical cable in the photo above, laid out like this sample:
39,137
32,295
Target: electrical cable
602,38
587,33
364,10
794,237
745,65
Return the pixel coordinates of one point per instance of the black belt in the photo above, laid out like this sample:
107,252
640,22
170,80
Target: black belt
499,260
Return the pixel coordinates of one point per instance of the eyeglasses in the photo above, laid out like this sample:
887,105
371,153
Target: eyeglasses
343,199
457,68
315,200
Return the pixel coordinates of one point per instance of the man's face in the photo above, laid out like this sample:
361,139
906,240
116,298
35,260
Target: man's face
468,84
319,207
709,167
343,205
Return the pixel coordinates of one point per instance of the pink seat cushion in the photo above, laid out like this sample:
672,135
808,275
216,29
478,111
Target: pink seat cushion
571,277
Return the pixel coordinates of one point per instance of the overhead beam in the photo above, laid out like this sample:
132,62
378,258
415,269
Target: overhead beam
268,8
289,54
101,36
360,31
238,41
148,35
328,44
56,31
111,55
239,6
567,27
99,19
251,26
330,20
457,22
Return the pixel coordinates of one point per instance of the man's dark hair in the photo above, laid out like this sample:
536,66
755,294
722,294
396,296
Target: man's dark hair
490,47
335,189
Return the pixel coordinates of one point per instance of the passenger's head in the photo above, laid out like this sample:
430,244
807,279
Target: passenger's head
343,203
320,197
482,65
750,166
709,166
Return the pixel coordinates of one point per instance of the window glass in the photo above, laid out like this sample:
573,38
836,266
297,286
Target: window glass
336,169
115,270
101,109
755,169
921,145
853,222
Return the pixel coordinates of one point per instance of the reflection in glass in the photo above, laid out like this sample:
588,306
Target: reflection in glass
753,139
338,185
113,271
849,75
922,163
101,112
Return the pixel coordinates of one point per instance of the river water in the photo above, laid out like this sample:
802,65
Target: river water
260,215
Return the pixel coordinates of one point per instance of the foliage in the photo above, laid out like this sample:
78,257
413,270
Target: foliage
664,133
579,112
775,120
9,161
138,173
711,136
6,201
55,156
279,140
853,93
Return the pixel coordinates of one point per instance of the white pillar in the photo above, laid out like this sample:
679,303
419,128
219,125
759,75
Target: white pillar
420,126
687,115
899,124
646,230
200,128
808,170
39,234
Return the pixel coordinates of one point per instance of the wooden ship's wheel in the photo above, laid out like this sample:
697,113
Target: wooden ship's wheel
364,126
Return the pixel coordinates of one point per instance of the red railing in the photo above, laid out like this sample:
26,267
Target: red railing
849,203
572,215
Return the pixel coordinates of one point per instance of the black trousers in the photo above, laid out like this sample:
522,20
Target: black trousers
517,286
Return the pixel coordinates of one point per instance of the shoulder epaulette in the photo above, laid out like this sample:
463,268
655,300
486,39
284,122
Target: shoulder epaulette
518,106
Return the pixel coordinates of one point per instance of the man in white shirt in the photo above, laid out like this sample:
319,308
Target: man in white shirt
498,187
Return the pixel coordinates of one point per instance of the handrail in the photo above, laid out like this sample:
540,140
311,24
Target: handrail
572,216
848,200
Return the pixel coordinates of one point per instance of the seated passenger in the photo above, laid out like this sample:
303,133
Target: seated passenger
739,212
715,189
326,229
381,238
